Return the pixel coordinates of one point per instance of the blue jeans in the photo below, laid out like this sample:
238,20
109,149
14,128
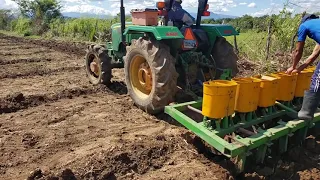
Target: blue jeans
315,80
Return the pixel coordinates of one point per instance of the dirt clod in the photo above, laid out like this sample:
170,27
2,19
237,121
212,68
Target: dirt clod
67,174
29,140
16,97
36,174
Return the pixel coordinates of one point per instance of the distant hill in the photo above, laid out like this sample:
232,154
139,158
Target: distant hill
103,16
88,15
214,16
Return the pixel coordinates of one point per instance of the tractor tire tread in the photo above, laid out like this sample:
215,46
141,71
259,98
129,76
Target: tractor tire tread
224,55
104,63
163,70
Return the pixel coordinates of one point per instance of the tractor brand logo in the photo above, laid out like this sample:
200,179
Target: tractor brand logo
171,34
227,31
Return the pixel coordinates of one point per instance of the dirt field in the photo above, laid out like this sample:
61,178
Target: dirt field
54,123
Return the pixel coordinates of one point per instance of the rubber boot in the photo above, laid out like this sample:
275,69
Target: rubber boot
309,106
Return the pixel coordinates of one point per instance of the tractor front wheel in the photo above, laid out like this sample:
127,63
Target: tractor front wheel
98,65
151,77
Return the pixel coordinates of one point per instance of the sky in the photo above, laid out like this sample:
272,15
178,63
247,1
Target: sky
228,7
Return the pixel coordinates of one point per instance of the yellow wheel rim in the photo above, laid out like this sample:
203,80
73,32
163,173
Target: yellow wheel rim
93,66
140,76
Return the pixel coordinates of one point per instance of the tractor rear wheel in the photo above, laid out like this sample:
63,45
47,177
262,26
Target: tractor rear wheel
98,65
224,55
151,77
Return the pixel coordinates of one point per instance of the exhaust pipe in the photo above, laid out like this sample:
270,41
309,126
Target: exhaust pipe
123,22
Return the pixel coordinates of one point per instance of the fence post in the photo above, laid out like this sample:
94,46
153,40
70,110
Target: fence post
235,44
53,31
295,35
292,42
95,30
58,28
63,32
269,38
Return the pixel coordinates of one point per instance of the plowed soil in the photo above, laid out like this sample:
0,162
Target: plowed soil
55,124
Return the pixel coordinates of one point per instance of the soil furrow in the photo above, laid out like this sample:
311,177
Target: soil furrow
38,85
10,53
19,47
39,72
9,44
18,101
77,48
25,60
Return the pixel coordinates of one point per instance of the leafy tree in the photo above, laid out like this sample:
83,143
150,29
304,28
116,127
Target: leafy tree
117,19
5,18
208,21
41,12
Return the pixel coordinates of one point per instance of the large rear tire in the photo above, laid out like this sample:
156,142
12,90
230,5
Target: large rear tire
224,55
151,77
98,65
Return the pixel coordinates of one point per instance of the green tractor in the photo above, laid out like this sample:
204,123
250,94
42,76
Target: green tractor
160,61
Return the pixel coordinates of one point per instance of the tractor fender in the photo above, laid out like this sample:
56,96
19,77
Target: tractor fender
159,32
220,29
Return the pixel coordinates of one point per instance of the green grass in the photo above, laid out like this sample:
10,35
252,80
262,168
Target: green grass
251,44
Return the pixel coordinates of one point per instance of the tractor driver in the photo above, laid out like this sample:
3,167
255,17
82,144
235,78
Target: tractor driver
178,15
310,26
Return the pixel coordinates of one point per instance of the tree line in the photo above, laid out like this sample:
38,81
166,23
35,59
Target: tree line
248,23
44,18
39,17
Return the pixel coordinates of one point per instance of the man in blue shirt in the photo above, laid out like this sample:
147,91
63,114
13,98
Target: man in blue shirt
310,26
177,14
